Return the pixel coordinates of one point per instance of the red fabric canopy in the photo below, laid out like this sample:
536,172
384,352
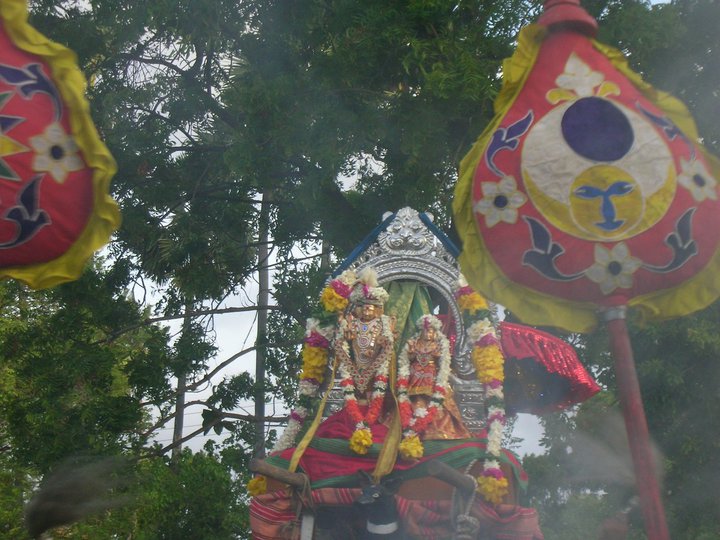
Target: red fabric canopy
543,372
588,189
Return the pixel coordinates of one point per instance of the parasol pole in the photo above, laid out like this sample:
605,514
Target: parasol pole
636,425
569,15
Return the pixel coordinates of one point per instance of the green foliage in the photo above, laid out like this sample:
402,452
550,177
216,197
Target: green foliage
686,65
333,111
15,486
374,91
678,372
195,497
68,377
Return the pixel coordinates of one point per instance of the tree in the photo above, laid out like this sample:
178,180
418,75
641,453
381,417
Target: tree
208,105
206,116
72,383
77,391
337,110
193,497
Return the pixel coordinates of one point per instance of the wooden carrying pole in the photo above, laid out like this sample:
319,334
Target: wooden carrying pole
447,474
636,425
296,480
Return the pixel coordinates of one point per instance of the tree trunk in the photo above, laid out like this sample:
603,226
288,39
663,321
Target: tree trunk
262,315
325,257
180,399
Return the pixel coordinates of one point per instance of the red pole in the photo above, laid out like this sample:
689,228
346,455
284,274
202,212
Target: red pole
636,425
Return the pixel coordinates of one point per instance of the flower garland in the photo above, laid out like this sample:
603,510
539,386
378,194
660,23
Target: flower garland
489,365
469,301
361,439
257,486
319,335
415,422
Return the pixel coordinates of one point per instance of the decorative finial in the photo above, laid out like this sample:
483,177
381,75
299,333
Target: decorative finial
568,14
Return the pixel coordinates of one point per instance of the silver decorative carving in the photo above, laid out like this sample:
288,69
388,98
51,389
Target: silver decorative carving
463,361
470,399
334,401
407,233
408,250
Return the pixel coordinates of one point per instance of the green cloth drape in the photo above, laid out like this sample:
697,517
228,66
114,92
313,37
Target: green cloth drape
407,303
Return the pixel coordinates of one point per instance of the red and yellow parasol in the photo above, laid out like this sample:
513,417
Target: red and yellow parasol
55,171
587,194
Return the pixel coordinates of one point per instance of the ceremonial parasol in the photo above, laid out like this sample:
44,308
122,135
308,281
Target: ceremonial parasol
542,372
55,172
586,195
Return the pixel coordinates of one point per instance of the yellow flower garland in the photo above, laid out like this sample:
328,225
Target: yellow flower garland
314,363
492,489
489,363
257,486
361,441
332,301
472,303
411,447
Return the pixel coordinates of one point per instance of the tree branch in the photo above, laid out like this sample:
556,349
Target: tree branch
191,83
194,313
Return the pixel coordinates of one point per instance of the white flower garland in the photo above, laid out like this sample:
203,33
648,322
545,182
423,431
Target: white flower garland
483,330
480,329
313,325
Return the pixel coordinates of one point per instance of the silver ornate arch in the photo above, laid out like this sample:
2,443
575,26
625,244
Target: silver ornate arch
409,250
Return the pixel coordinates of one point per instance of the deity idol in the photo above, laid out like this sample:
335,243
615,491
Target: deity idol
427,408
363,350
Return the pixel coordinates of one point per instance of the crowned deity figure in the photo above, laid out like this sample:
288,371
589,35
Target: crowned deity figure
363,350
427,407
368,340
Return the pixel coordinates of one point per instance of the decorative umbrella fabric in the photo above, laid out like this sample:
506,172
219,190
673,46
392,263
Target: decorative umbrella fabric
542,372
587,190
55,210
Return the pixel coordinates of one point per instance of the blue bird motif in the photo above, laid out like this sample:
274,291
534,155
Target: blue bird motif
30,80
507,138
670,129
545,251
681,243
27,215
607,208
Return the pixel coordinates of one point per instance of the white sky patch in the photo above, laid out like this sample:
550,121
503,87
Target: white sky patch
358,166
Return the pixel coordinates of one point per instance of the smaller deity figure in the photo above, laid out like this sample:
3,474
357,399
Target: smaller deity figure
427,408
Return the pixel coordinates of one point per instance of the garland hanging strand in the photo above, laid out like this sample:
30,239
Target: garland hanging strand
489,362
